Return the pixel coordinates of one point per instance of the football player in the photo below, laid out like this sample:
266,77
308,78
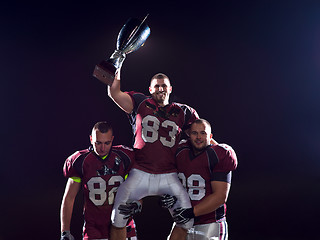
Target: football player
157,126
99,170
205,171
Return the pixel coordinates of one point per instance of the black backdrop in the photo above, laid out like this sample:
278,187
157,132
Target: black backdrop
250,67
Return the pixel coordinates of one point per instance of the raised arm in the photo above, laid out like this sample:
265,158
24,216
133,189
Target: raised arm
122,99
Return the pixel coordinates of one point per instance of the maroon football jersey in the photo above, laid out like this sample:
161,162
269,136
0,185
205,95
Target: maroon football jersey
215,163
100,180
157,132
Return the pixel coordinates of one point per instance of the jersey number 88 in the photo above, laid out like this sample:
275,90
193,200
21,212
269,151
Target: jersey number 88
195,185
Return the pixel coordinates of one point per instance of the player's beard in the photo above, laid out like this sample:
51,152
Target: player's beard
160,98
198,148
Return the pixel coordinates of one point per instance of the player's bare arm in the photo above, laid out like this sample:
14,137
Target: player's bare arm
71,191
213,201
122,99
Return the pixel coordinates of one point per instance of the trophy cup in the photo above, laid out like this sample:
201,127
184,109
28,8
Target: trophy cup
131,37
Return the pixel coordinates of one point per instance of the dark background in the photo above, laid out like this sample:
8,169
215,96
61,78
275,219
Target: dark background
251,68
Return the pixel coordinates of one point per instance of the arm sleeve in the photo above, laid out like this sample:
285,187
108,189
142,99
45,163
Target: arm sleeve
227,159
190,116
227,163
69,169
137,98
127,156
222,176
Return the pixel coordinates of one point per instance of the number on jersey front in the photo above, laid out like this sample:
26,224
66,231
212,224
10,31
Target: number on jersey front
195,185
97,187
150,131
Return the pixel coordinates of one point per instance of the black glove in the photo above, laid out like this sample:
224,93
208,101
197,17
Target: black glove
182,215
130,208
66,235
167,201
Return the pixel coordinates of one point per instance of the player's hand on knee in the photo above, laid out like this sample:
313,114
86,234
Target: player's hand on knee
66,235
167,201
182,215
130,208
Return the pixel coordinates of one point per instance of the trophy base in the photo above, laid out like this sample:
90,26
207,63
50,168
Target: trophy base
105,72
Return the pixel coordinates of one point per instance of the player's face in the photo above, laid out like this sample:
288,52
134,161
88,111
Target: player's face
200,135
160,90
101,142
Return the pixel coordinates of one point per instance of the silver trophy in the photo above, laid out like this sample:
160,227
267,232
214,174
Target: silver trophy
131,37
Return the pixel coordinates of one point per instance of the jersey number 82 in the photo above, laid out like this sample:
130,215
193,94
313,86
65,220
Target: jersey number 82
97,187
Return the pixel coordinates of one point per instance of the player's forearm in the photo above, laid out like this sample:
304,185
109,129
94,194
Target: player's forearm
114,89
209,204
122,99
66,214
